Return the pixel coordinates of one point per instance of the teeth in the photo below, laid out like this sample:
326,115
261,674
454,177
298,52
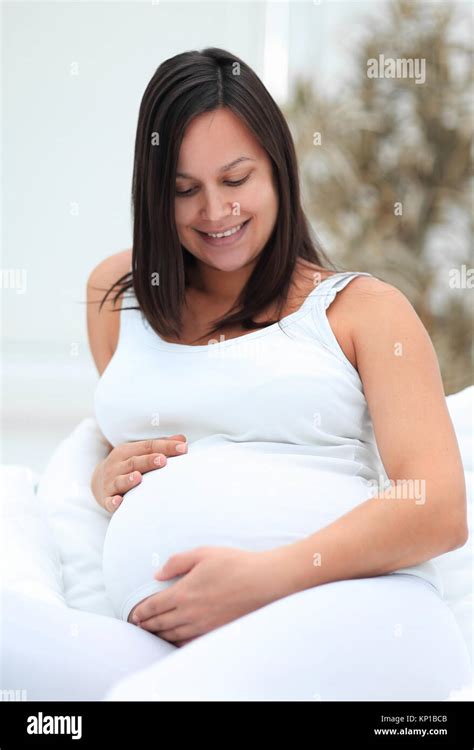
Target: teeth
225,234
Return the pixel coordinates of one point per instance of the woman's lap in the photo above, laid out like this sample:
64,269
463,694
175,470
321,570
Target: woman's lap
59,653
385,638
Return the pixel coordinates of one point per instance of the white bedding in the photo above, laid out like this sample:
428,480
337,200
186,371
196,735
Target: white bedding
53,529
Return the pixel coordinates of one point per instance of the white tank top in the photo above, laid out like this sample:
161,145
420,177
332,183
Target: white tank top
280,441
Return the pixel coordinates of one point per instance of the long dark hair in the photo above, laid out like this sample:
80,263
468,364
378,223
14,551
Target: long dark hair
183,87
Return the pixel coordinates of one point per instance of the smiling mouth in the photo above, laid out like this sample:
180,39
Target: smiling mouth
228,233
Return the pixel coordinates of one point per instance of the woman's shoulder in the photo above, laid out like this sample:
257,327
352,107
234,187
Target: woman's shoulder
311,273
111,269
358,308
103,322
365,300
372,310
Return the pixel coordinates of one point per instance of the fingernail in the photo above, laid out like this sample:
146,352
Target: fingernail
181,447
158,460
132,477
116,501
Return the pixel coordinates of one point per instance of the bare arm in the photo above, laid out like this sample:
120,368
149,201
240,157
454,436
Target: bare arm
103,326
424,513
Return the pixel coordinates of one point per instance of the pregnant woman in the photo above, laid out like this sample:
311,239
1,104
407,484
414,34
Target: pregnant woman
283,552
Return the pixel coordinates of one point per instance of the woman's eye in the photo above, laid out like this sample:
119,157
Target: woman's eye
227,182
185,192
238,182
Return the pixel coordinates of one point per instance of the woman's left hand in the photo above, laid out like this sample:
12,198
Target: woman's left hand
219,585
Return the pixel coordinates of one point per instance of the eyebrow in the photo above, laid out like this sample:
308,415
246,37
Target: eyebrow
222,169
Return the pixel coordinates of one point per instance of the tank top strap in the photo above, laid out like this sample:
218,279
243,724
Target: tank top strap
128,316
323,295
327,290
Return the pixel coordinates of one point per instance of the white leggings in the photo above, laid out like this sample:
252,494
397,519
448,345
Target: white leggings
384,638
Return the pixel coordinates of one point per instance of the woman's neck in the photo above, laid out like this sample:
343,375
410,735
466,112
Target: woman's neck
221,288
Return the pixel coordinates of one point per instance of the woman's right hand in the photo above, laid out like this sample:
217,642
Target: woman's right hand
122,469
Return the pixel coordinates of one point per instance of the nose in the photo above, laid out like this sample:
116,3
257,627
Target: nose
215,205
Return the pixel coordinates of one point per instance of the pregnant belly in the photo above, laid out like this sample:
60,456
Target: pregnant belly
220,495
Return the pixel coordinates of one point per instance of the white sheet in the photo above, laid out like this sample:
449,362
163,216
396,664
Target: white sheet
29,558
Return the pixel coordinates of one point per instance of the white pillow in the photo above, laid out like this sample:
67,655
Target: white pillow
29,560
78,521
456,567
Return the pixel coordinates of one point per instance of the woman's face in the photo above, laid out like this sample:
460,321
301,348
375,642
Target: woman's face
212,142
